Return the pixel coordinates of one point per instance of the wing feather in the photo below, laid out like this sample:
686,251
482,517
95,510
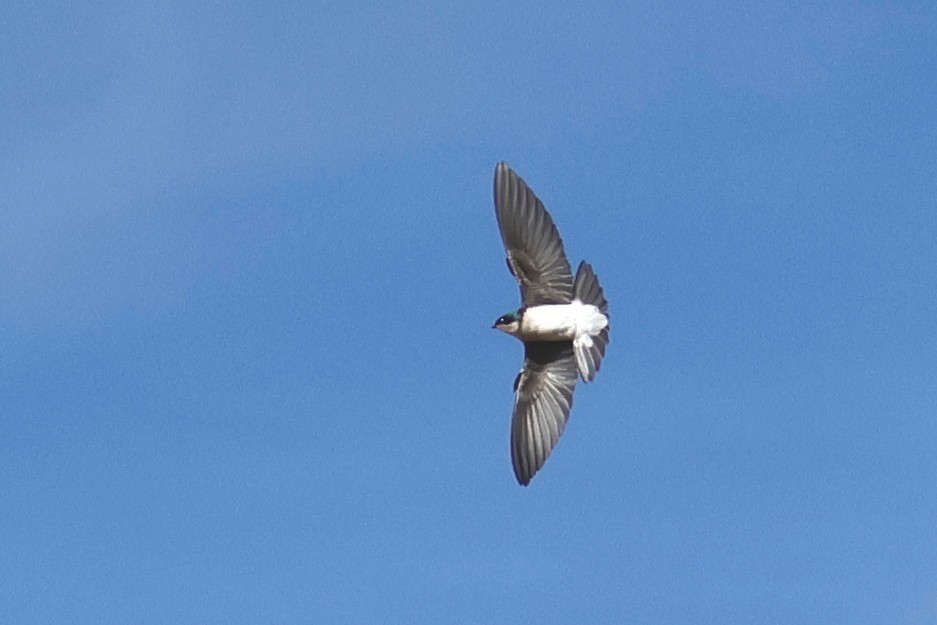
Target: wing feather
535,253
542,401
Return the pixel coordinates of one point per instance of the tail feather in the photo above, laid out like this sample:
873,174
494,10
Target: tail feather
587,288
590,349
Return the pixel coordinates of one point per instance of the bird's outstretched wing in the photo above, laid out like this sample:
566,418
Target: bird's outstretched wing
534,247
543,396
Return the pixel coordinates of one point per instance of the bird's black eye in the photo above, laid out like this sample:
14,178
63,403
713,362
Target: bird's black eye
504,320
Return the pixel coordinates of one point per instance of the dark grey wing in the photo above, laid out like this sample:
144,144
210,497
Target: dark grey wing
535,249
543,396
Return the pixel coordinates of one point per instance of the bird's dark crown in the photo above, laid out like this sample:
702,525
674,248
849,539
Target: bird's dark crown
509,318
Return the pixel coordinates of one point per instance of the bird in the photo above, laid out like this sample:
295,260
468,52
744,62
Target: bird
563,322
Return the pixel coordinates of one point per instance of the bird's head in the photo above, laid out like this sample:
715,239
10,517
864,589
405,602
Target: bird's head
509,323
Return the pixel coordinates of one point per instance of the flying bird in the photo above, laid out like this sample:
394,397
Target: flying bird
563,322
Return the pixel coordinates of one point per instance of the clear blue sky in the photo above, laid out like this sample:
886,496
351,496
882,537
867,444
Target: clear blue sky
249,264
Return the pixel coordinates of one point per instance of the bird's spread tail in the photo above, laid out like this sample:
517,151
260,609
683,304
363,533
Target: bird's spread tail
590,348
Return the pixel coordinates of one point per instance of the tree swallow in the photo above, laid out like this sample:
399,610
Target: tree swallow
562,322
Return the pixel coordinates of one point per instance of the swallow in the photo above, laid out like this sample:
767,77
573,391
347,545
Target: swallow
563,322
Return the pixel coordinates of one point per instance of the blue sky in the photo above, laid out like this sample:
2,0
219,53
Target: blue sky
249,264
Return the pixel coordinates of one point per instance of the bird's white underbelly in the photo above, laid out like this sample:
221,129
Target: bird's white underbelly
557,322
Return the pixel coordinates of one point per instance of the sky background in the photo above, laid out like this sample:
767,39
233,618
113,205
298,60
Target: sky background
249,264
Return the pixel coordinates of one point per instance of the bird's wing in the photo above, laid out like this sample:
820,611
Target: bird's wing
543,396
535,250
